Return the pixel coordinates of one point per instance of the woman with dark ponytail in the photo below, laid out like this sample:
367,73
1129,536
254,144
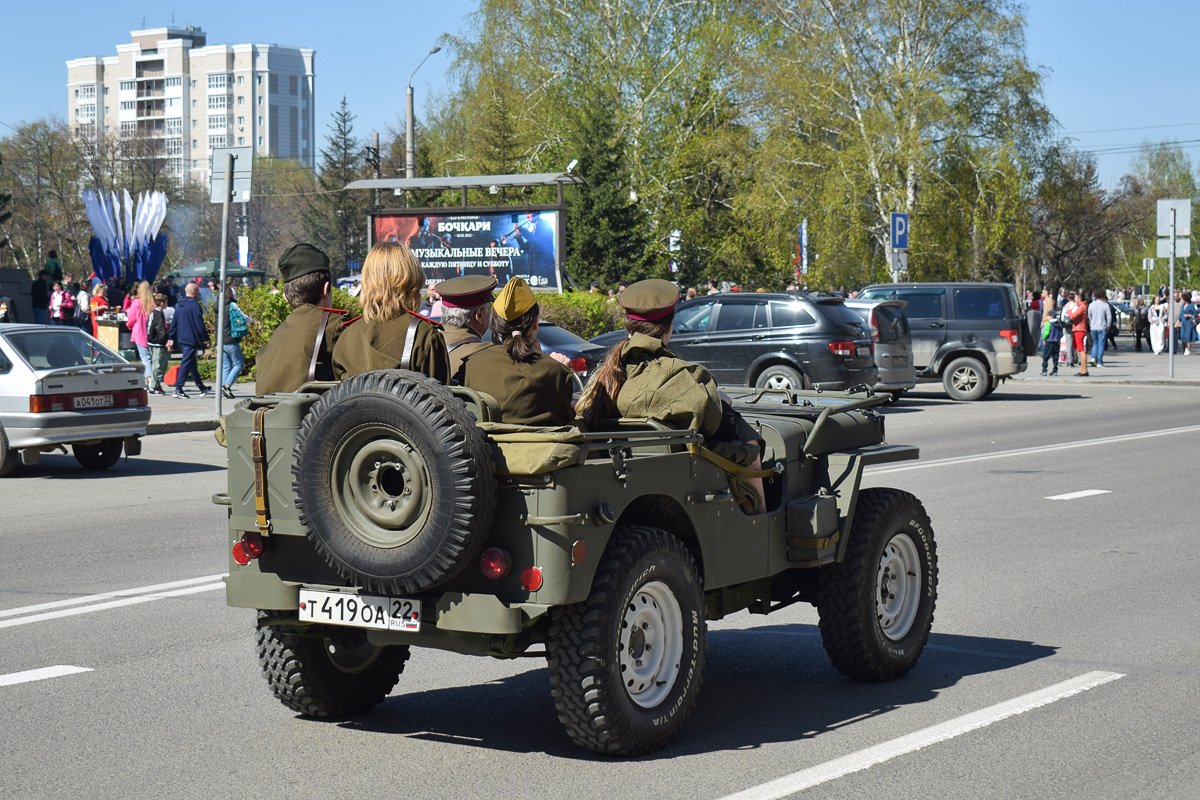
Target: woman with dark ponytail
642,378
531,387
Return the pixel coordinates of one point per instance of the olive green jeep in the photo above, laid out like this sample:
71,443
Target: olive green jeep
388,512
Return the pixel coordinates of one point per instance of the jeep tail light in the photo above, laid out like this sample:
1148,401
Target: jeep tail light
248,548
495,563
579,364
531,578
1014,337
843,349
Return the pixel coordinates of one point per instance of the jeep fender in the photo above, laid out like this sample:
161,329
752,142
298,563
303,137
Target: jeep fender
843,473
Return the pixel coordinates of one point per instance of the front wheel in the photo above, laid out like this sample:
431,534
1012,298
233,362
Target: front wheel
101,455
625,663
966,379
876,606
327,672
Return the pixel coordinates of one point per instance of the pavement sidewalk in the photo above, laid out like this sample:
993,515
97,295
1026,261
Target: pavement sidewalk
1126,366
172,414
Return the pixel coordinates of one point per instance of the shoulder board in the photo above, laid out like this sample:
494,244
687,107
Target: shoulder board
341,311
351,320
432,322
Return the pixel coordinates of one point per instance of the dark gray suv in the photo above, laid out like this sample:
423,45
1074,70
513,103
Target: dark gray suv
970,336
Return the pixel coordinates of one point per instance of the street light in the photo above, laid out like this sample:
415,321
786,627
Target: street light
410,157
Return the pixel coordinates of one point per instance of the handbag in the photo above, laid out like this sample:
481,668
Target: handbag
238,326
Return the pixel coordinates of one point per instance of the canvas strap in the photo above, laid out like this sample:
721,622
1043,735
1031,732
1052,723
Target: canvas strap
410,339
461,342
729,466
258,455
312,362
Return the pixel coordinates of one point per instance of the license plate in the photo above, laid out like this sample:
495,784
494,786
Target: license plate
864,351
900,361
93,401
361,610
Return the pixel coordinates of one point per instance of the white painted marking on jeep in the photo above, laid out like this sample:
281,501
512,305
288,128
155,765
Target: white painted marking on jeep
865,759
40,674
1077,495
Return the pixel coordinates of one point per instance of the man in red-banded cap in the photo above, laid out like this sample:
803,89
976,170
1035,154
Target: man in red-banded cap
466,312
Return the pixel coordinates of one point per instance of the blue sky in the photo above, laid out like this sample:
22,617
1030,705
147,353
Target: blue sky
1107,67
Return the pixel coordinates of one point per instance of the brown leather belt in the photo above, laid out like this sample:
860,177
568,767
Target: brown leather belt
258,455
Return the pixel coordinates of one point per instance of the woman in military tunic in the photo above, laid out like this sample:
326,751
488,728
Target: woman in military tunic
642,378
531,387
391,334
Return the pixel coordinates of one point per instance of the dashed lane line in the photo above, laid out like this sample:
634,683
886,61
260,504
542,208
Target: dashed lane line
95,598
1079,494
125,601
865,759
40,674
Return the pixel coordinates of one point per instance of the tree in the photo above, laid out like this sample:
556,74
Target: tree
5,213
334,218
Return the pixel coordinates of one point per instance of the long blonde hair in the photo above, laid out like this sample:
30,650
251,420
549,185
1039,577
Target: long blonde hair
145,297
391,282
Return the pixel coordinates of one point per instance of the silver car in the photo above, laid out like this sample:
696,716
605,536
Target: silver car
58,387
893,343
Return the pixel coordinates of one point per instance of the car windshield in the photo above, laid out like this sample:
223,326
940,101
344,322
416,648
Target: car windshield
51,349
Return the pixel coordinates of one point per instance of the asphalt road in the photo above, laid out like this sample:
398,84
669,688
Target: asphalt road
1062,662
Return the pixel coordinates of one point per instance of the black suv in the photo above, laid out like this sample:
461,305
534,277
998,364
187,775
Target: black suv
971,336
775,340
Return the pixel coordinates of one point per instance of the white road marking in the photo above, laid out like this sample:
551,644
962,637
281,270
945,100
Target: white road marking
1026,451
864,759
1077,495
127,601
40,674
92,598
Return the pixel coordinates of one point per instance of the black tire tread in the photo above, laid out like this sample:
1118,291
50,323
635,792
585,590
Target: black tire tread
575,649
967,397
841,588
8,456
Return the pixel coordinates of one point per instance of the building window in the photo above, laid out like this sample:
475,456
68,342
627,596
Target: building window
260,141
76,94
241,140
171,82
86,113
241,121
174,147
260,122
193,124
241,100
260,80
106,91
193,144
87,92
127,86
193,104
216,123
175,126
260,99
128,128
216,141
106,111
274,81
193,84
128,105
241,80
216,81
217,101
293,86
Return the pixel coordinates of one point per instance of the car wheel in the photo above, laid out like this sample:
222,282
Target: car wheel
778,376
8,456
101,455
393,481
966,379
625,663
323,672
876,606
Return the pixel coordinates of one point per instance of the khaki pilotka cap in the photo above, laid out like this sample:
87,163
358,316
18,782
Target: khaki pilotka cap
515,299
469,291
300,260
650,300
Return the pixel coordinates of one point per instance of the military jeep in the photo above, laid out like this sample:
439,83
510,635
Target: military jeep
388,512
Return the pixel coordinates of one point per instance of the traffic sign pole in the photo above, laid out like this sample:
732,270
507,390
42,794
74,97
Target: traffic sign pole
1171,304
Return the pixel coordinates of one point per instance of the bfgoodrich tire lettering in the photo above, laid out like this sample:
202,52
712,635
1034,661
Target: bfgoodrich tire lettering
327,671
394,482
626,663
876,607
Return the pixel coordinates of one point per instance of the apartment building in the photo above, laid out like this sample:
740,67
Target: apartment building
177,97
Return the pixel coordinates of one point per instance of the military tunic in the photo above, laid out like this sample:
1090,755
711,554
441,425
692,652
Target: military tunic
471,343
282,365
537,392
368,346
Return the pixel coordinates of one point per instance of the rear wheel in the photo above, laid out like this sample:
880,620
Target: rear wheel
779,376
100,455
8,456
327,672
966,379
625,663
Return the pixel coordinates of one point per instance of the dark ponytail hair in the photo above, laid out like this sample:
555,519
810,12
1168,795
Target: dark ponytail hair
599,398
523,345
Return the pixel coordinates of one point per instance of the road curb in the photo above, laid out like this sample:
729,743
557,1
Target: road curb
181,427
1109,381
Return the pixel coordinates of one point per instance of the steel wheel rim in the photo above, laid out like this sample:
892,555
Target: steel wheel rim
651,645
381,486
965,379
898,587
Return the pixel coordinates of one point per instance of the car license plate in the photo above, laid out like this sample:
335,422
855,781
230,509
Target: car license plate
864,351
361,610
93,401
900,361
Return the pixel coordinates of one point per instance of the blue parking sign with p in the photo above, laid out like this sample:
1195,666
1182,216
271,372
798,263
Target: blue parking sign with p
899,231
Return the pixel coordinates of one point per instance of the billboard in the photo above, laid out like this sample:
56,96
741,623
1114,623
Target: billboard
508,243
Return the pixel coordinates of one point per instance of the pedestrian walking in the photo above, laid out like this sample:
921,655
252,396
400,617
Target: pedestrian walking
1099,319
1157,315
1187,327
1139,320
156,339
237,325
1051,337
136,319
187,328
1076,316
62,305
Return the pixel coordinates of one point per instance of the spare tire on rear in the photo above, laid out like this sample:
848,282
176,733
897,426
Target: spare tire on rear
394,481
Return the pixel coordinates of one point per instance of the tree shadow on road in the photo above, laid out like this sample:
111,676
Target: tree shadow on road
761,685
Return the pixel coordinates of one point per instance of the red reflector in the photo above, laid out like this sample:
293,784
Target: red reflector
1014,337
579,364
252,544
495,563
531,578
239,555
844,349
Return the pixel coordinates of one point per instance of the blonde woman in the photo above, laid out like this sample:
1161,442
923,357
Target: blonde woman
391,334
137,314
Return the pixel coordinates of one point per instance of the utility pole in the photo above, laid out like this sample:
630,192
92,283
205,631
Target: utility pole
410,155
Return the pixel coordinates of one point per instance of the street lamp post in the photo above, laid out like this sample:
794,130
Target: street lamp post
410,157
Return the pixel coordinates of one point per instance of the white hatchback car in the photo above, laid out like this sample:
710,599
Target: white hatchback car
59,386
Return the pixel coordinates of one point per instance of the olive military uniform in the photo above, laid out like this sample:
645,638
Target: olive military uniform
460,343
465,292
534,392
282,366
368,346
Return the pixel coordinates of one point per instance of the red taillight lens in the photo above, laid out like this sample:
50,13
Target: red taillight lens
239,554
1014,337
138,397
47,403
252,543
495,563
874,324
531,578
843,349
579,365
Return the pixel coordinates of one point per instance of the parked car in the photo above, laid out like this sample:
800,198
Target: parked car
890,334
59,387
970,336
773,340
584,355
